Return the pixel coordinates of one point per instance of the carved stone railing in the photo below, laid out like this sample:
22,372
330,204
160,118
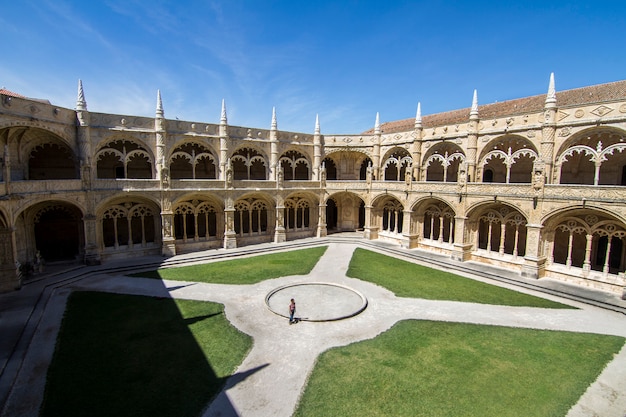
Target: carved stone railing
39,186
126,184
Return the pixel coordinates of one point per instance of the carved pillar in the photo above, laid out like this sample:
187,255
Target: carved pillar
462,247
274,148
92,255
230,237
321,222
472,140
279,231
376,153
409,237
10,275
168,243
160,136
416,152
223,132
370,230
534,261
318,151
548,131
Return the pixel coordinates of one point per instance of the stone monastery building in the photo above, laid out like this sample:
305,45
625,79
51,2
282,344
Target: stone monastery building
536,185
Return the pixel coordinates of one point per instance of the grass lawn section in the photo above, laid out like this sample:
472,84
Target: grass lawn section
126,355
437,369
244,270
406,279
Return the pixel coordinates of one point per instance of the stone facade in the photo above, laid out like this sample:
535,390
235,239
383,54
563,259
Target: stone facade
536,185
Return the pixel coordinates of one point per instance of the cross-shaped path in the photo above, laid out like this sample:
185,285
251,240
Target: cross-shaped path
271,378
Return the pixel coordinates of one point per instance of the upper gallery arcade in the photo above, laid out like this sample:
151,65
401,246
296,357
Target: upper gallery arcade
536,185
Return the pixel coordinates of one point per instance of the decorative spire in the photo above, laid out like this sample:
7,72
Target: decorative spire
377,124
223,119
159,110
474,110
81,104
551,97
274,123
317,124
418,116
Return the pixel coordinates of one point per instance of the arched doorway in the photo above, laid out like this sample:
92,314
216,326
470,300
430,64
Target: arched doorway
331,215
58,232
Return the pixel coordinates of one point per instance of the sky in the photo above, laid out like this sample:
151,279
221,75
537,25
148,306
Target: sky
342,60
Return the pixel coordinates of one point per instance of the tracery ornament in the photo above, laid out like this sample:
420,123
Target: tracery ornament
195,219
597,156
446,160
128,232
194,154
401,160
506,221
125,153
55,207
508,158
295,166
439,219
248,164
296,214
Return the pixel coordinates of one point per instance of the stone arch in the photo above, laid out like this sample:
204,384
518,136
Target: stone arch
295,166
249,163
193,160
507,159
124,158
593,156
396,162
437,219
442,162
38,153
300,212
131,223
347,164
253,215
388,214
345,212
585,239
54,228
198,218
498,229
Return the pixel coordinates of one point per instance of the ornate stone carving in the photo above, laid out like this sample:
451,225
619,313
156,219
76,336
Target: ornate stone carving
579,113
601,111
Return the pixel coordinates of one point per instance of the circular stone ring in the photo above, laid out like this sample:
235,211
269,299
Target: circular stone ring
316,301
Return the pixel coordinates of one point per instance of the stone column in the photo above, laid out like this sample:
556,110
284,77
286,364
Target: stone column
92,254
409,237
472,141
461,249
534,261
548,131
274,148
230,237
10,275
321,222
279,231
223,132
370,231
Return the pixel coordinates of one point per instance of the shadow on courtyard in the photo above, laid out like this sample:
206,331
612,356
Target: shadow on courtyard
130,355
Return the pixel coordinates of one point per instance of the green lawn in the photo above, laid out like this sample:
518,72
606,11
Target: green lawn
406,279
126,355
244,270
437,369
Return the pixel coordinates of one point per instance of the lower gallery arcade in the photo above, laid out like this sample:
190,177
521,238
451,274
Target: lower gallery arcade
535,185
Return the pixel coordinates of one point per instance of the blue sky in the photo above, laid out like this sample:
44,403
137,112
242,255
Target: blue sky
343,60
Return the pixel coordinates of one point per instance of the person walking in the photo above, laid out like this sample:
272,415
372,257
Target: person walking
292,310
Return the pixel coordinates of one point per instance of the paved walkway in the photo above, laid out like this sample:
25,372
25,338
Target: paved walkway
273,375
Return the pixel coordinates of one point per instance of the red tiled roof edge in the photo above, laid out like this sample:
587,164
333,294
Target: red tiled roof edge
10,93
584,95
